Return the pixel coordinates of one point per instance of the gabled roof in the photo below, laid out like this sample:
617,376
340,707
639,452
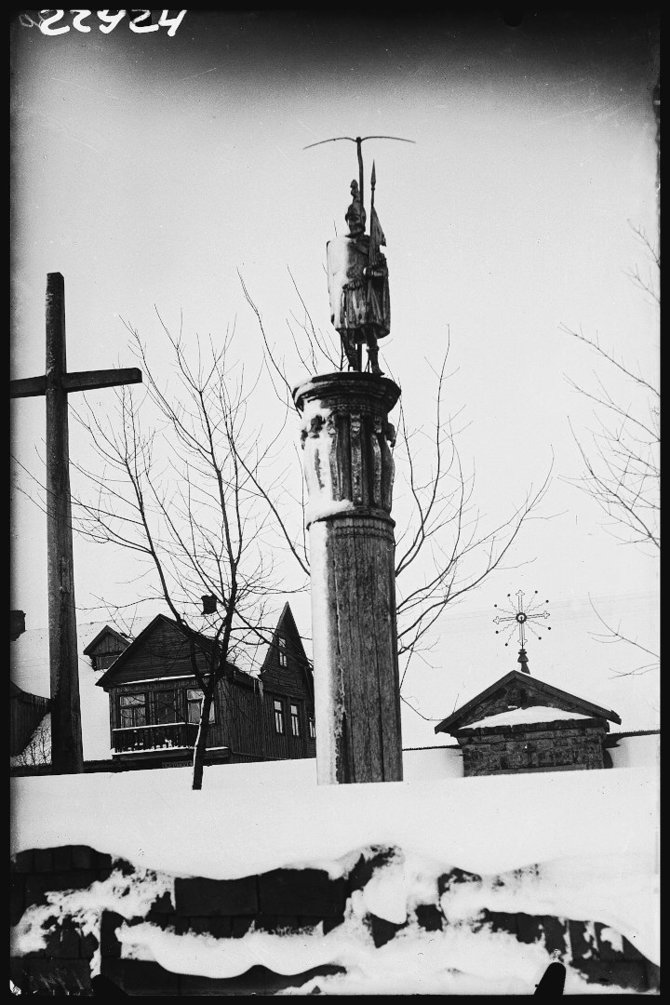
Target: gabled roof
538,692
107,630
259,662
286,623
203,643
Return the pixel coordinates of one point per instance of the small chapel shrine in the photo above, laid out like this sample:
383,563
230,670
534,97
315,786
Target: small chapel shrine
522,724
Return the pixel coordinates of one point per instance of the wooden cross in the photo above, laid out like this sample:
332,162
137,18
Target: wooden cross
55,385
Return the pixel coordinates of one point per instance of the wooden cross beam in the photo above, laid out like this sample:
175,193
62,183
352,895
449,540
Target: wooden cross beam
55,385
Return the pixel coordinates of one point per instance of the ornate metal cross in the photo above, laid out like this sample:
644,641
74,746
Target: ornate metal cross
521,618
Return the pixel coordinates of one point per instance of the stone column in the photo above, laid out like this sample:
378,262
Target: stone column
348,464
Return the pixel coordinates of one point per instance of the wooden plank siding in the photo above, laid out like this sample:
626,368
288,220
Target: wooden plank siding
105,648
26,711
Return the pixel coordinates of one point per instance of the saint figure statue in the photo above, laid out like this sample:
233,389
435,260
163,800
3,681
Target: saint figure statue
358,285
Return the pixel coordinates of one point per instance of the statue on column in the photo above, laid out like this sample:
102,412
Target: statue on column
358,286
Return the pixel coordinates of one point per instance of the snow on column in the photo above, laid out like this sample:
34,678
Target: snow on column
348,465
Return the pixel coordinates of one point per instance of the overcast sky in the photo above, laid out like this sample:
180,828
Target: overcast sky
149,169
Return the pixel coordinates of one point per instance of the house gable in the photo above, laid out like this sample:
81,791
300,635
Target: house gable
285,667
107,646
161,650
520,690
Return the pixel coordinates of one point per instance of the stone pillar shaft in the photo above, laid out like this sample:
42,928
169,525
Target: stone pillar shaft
349,473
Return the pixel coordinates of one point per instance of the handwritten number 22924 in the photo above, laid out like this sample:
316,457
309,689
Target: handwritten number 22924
110,21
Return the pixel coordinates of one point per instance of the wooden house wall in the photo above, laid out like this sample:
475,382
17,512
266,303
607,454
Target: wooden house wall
109,645
289,684
217,729
106,650
251,727
26,711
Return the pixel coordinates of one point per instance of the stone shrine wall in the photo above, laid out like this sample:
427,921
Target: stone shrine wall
533,747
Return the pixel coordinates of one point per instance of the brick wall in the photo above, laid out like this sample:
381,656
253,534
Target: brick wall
532,747
283,899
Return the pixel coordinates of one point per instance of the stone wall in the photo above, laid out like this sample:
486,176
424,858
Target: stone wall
283,900
532,747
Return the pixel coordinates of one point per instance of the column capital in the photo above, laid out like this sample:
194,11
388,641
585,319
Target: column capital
347,441
367,390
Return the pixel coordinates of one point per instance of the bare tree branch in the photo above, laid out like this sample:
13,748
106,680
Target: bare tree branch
180,484
620,457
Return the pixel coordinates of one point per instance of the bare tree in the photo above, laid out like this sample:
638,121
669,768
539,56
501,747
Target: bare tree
444,551
620,455
177,482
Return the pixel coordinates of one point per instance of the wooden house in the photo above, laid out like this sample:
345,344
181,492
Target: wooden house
154,699
521,723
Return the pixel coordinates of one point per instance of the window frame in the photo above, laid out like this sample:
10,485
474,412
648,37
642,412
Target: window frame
176,705
294,717
278,710
282,651
191,701
133,707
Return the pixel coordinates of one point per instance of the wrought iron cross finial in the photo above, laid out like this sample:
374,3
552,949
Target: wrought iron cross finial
521,619
358,140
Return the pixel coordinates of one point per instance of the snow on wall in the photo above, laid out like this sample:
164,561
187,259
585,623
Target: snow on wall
465,956
535,713
420,765
457,960
637,751
595,833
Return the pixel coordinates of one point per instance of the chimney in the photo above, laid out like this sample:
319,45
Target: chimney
209,603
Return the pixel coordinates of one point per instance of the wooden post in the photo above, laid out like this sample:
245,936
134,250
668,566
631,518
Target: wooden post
56,384
349,473
66,742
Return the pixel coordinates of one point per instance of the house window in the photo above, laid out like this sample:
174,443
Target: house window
281,642
166,706
312,730
132,710
194,698
279,716
295,720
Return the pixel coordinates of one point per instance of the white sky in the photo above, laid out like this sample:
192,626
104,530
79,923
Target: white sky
149,169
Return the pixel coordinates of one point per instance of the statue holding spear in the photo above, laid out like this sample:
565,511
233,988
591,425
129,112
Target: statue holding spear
358,284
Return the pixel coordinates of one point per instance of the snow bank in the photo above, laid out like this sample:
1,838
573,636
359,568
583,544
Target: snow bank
251,818
580,845
592,835
637,751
